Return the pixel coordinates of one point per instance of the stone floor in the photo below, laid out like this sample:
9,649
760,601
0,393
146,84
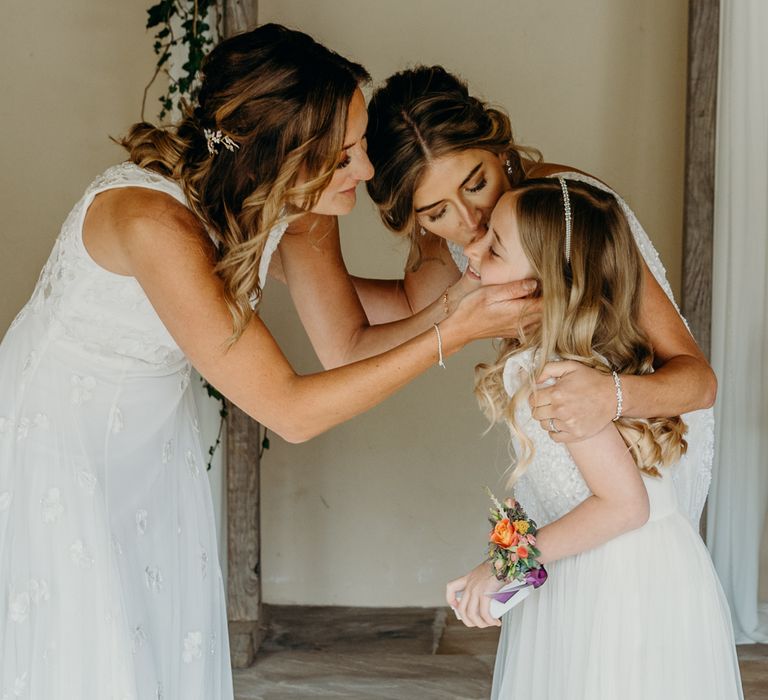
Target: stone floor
393,654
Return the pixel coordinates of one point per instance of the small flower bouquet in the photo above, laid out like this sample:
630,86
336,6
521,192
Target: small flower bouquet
512,553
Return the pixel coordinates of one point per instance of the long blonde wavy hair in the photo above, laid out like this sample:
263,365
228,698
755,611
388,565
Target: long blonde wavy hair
283,99
590,312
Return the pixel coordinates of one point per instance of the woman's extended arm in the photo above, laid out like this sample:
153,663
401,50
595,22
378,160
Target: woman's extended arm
618,503
329,307
154,239
584,400
385,301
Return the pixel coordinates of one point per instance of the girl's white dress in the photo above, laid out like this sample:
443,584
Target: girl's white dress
110,586
640,617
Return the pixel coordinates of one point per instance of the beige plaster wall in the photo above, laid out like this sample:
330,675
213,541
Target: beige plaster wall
384,510
73,74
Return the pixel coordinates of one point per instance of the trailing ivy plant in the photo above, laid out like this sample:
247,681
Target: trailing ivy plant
180,25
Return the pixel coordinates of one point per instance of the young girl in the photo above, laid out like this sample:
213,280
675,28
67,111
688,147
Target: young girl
632,608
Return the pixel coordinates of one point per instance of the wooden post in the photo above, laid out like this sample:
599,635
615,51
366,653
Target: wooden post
243,493
238,16
699,202
698,215
244,541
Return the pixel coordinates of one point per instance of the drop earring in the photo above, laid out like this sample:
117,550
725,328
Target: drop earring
508,167
422,231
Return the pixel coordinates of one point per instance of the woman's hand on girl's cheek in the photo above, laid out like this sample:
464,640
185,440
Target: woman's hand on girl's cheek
499,310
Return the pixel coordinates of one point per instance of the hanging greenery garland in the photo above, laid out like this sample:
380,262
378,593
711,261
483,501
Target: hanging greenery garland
183,32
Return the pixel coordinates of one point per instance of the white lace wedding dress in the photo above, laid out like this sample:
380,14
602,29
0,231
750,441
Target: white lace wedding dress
640,617
693,474
110,586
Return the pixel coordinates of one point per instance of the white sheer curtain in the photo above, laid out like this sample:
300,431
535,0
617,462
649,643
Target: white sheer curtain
739,496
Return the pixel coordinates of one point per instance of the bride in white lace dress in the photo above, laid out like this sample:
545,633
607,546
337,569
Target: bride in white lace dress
110,586
632,608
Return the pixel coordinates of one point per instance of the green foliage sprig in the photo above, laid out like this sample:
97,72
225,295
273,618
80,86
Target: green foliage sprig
195,36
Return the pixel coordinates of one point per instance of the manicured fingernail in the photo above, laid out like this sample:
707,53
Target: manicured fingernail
530,285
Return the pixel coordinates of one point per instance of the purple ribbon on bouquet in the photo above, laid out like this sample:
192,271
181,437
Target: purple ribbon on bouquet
535,578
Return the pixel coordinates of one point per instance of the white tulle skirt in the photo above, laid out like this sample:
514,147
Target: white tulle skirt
642,617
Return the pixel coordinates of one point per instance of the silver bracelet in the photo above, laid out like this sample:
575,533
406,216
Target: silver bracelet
439,347
619,395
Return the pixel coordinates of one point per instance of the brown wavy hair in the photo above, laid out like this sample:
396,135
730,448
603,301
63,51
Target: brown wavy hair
417,116
283,99
590,311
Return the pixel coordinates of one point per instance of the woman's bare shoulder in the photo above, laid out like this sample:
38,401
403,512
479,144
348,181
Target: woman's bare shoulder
123,221
146,206
541,169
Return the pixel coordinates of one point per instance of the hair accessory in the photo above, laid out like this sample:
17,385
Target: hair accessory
567,207
213,138
619,395
508,167
439,346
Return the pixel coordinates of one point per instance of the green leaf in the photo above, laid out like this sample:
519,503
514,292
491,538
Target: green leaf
160,13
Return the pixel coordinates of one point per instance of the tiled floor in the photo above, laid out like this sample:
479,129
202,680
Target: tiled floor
393,654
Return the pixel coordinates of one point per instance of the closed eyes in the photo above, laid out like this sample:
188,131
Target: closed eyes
480,185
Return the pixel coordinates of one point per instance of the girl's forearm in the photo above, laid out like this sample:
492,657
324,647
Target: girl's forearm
592,523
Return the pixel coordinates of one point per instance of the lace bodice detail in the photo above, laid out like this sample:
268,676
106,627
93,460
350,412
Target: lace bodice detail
552,484
105,315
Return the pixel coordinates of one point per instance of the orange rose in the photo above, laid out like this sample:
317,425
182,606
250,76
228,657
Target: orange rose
522,552
504,534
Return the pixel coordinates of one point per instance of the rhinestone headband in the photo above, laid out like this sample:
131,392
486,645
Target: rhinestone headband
213,138
567,208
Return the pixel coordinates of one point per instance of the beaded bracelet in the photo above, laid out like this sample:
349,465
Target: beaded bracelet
619,395
439,347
